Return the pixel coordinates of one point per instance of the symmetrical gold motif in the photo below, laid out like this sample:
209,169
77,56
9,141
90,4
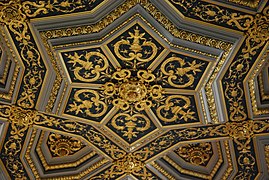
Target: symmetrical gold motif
211,13
43,159
61,145
20,120
198,154
209,173
135,48
133,92
257,35
132,163
61,165
132,95
138,122
14,16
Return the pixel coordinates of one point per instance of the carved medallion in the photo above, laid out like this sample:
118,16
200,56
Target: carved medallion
61,145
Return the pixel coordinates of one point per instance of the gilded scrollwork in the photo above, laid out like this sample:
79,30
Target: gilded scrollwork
176,108
211,13
256,28
127,124
139,49
132,95
184,4
135,47
241,132
14,17
132,163
179,73
87,103
87,66
132,92
234,94
33,9
20,121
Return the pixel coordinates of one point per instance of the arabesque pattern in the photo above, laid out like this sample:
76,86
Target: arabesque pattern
136,82
133,88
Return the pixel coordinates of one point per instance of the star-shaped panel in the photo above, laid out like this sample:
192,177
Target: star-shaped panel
143,92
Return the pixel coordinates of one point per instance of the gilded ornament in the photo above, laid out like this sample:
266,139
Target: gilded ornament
61,145
132,91
248,3
135,48
88,102
176,108
179,73
132,163
266,149
127,124
198,154
256,28
88,66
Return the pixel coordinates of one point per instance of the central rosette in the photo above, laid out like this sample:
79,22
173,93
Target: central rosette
132,91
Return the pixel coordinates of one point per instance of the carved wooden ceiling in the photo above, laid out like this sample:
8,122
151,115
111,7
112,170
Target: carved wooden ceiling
134,89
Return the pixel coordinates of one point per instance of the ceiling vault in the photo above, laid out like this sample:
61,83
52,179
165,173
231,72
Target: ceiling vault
140,89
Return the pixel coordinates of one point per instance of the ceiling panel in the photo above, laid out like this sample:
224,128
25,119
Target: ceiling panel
134,89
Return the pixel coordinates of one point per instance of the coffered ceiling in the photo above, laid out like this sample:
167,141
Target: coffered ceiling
134,89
